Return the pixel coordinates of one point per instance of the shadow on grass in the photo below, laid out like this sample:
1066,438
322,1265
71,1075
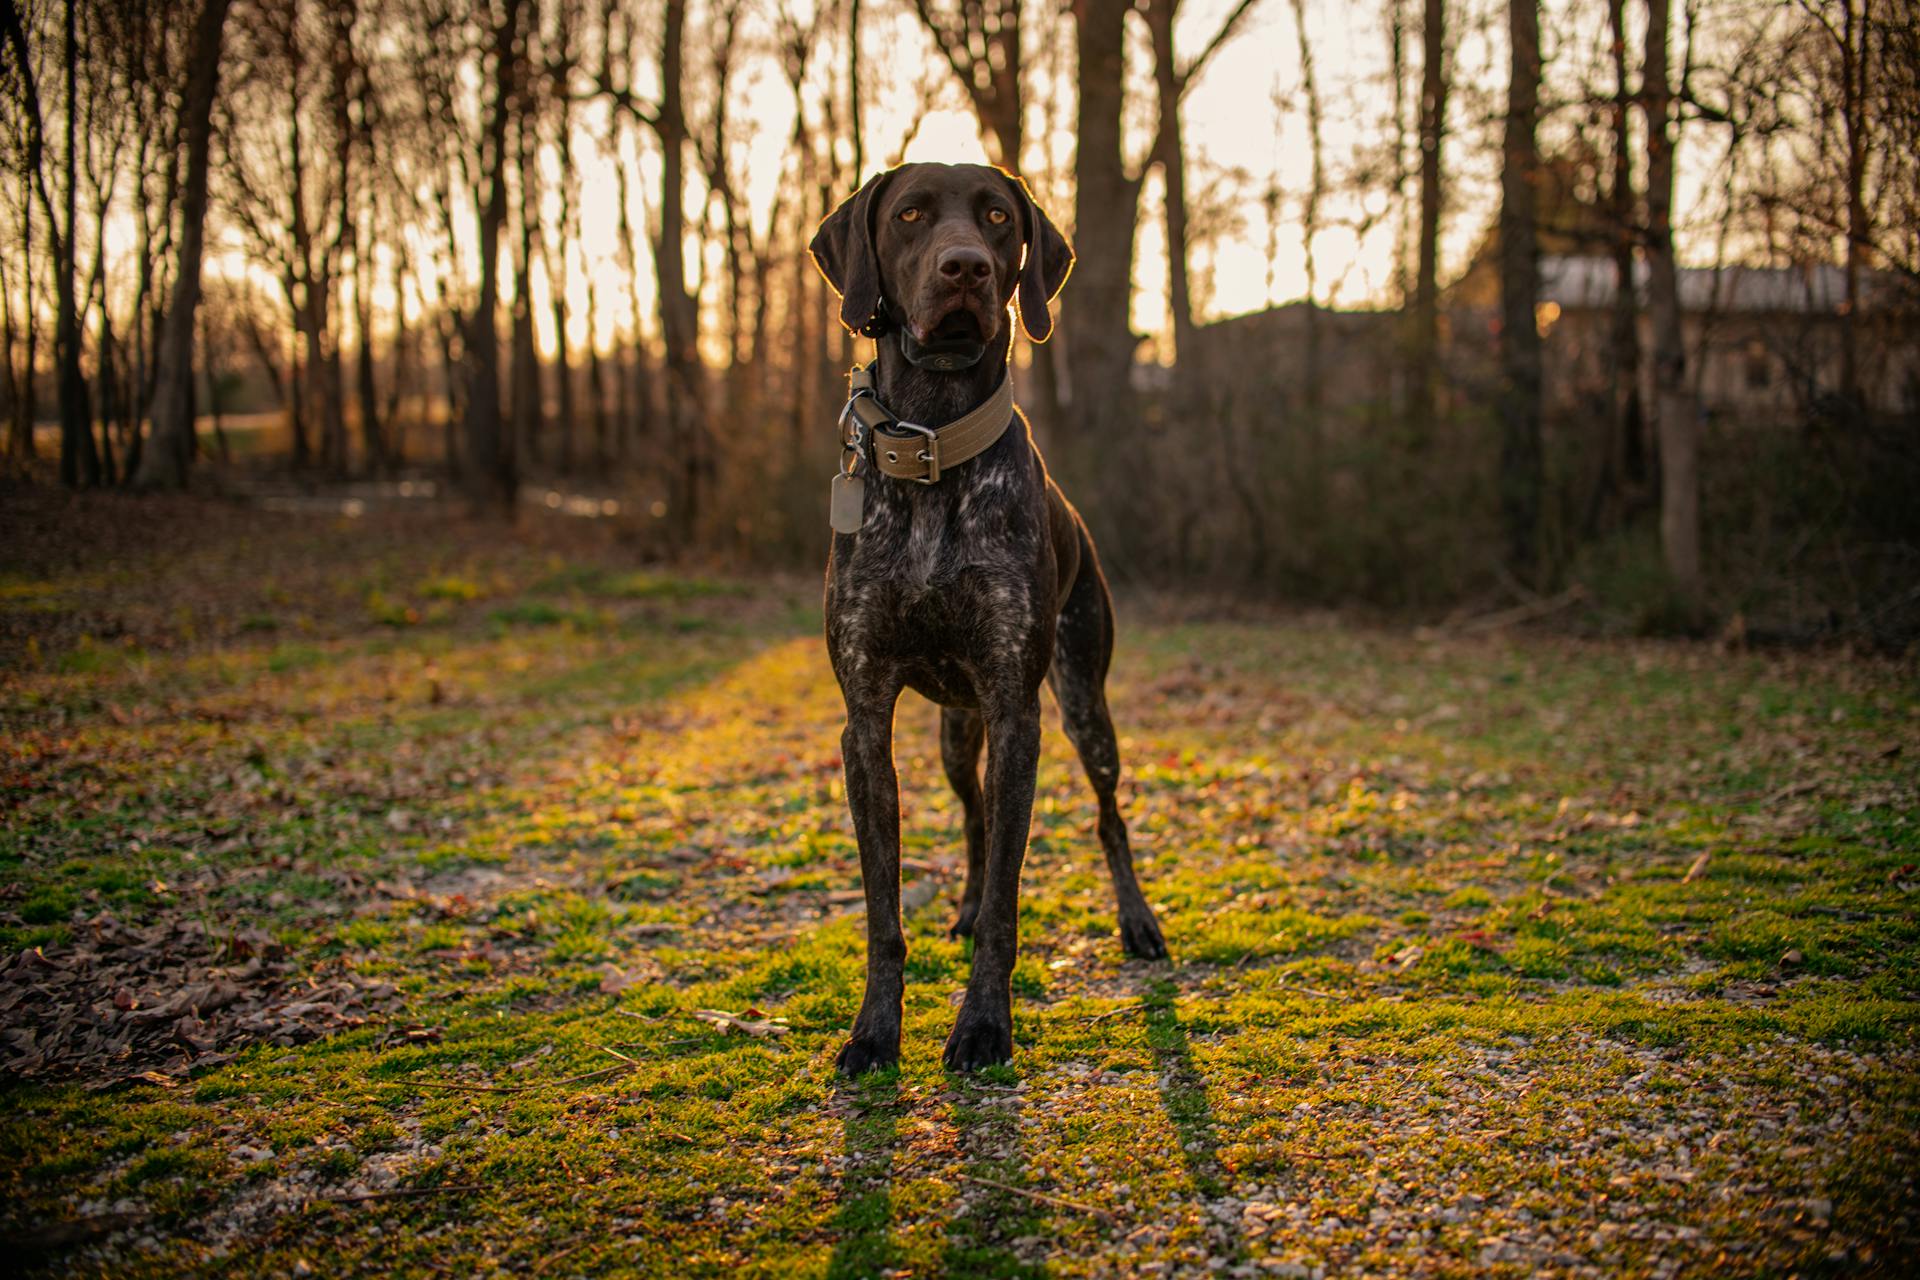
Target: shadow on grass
1183,1093
863,1225
980,1237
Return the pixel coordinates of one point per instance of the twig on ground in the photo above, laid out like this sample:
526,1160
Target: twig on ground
403,1193
575,1246
632,1062
1699,865
1042,1196
1116,1011
1791,790
1531,611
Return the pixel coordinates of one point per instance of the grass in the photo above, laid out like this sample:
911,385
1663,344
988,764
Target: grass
1491,956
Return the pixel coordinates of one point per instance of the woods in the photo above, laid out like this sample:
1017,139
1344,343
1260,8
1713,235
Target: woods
562,241
1441,802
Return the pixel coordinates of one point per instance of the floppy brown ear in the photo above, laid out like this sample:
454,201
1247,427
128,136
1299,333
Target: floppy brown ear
1049,260
843,250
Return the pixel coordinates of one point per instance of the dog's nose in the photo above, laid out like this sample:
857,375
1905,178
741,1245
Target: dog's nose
964,266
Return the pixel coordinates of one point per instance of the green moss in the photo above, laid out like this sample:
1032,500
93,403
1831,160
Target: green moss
1436,940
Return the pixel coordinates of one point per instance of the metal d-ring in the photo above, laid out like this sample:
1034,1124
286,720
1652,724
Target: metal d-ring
853,446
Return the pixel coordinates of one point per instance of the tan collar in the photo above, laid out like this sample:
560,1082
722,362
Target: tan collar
908,451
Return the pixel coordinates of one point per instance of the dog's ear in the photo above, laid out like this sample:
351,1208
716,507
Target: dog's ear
1049,260
843,250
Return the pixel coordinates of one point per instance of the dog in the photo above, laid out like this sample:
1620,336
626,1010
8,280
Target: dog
971,584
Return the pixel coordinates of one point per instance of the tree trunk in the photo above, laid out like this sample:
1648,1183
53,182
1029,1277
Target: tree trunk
19,442
854,111
1520,461
104,361
679,311
528,393
79,463
1856,55
326,367
1310,231
169,451
210,369
596,383
633,398
1674,418
372,437
1106,213
1628,446
489,475
1161,17
1425,345
27,407
401,358
555,257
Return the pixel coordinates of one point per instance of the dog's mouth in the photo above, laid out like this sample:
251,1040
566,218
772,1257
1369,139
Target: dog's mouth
954,342
960,324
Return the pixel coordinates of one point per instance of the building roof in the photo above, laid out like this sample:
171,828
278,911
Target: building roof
1588,282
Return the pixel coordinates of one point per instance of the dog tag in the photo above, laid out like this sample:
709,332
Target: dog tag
847,508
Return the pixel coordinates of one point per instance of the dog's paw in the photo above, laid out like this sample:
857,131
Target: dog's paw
1140,935
979,1041
863,1053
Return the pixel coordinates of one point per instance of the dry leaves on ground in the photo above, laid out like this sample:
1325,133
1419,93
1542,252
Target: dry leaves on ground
159,1002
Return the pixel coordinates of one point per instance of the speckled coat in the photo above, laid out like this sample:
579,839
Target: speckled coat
971,591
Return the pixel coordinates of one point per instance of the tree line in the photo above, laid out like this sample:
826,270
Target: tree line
353,199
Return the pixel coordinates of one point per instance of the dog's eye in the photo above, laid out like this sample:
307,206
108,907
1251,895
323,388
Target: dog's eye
997,216
909,214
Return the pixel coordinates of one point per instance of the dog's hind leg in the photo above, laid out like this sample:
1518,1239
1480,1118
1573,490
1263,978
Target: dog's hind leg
1083,646
962,734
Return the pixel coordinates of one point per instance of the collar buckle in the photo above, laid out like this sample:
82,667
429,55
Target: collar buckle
929,455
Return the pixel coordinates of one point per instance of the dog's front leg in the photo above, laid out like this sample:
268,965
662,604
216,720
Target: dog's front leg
873,795
983,1033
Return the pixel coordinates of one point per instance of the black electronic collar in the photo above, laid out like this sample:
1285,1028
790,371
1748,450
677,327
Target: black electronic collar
942,355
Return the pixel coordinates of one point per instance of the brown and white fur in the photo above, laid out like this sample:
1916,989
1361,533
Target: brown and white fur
971,591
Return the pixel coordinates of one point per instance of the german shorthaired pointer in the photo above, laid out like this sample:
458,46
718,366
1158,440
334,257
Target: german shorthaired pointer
958,570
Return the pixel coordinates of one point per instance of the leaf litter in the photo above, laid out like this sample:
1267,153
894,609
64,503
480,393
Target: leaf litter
161,1001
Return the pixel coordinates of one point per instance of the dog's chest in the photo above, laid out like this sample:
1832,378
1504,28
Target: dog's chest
936,573
921,542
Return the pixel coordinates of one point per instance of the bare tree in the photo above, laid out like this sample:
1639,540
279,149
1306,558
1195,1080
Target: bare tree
554,248
1521,479
679,308
981,42
1310,214
164,463
1674,418
1424,348
79,463
1107,203
489,471
1626,454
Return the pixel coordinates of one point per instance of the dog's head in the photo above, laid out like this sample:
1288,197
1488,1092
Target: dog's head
946,248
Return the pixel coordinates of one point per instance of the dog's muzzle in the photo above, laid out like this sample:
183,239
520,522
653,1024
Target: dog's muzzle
939,354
